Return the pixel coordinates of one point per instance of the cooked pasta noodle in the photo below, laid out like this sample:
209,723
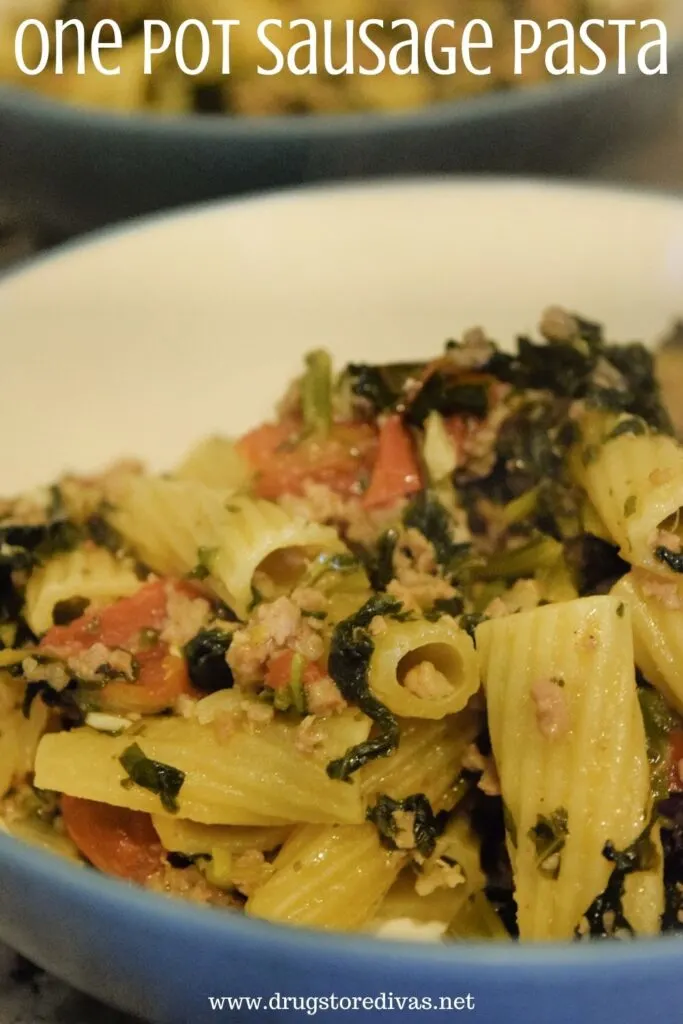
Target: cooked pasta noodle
423,669
568,739
178,526
92,575
336,878
216,463
248,778
655,606
635,481
408,656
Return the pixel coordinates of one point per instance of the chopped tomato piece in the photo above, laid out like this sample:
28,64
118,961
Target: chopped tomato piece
338,460
396,473
261,445
279,671
115,840
130,624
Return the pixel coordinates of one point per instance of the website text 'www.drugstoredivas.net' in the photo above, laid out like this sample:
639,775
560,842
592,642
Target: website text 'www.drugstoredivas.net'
312,1005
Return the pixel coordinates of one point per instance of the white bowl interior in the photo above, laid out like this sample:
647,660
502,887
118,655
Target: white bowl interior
148,338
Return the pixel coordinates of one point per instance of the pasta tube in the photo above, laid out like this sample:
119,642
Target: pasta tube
336,878
333,878
189,837
634,479
568,739
93,574
427,760
216,463
423,669
180,527
232,776
656,607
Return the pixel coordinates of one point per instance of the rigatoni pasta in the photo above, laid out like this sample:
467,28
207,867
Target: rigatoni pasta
423,669
181,527
656,606
568,739
90,578
634,479
406,657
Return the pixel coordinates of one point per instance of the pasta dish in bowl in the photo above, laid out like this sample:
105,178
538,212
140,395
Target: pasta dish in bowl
368,708
375,659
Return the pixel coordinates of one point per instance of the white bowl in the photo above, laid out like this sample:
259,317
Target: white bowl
147,338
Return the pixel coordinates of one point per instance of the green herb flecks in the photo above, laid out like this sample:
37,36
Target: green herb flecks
350,652
161,779
425,824
203,568
549,836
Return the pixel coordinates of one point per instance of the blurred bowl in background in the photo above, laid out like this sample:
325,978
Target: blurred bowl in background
66,170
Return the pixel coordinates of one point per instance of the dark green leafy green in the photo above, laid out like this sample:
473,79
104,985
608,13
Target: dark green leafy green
383,387
202,569
206,660
641,855
428,516
426,825
549,836
350,652
73,702
161,779
450,395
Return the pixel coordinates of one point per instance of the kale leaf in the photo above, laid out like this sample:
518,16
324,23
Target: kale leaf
382,386
641,855
549,836
450,395
426,825
350,652
206,661
428,516
161,779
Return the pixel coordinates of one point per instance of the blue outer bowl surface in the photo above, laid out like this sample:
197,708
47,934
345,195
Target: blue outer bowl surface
68,170
162,959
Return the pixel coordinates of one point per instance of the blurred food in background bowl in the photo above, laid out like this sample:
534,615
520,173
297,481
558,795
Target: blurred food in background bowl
79,151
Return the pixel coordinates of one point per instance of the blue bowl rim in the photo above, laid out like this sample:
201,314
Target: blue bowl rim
102,895
266,938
